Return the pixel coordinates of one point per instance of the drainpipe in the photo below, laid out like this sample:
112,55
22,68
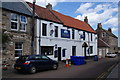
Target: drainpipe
33,25
89,44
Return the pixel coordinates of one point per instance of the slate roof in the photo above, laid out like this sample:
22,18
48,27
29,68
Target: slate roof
111,34
19,7
102,43
58,17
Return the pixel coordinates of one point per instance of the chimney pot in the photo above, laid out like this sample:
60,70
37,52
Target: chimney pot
49,6
99,25
109,29
86,19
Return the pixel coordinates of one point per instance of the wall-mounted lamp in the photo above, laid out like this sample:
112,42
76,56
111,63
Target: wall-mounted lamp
51,23
80,32
55,46
51,32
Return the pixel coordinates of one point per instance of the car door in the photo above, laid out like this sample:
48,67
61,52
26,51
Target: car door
46,62
39,63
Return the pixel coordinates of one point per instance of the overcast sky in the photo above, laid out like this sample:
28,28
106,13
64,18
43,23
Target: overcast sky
97,12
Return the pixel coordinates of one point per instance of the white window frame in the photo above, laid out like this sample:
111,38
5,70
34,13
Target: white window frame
14,21
19,49
24,23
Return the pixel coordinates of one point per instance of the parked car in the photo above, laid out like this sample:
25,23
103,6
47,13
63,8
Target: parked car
32,63
111,54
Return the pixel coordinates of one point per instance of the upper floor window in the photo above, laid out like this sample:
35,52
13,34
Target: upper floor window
23,23
44,29
56,31
84,35
91,37
73,34
23,19
103,34
18,22
14,21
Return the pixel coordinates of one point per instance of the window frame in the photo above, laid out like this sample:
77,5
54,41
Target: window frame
14,22
84,35
73,34
23,23
91,49
44,33
19,49
56,31
103,34
47,50
91,37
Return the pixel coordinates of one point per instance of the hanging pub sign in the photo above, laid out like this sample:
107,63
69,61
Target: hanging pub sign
65,33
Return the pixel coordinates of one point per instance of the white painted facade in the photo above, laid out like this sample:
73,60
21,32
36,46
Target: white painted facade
103,52
64,43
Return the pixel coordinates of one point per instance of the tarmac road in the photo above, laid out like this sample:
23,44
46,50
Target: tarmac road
92,69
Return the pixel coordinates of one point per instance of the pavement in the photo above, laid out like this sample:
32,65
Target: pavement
115,73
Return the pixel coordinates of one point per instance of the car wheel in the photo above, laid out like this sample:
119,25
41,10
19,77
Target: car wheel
32,70
55,66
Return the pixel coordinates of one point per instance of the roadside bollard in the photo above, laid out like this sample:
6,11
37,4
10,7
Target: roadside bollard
70,63
4,67
66,65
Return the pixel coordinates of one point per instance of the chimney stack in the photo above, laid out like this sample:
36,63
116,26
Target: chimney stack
99,25
86,19
49,6
109,29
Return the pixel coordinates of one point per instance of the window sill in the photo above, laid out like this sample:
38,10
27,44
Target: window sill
16,31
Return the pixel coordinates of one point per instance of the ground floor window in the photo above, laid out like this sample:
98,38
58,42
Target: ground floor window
91,49
18,49
47,50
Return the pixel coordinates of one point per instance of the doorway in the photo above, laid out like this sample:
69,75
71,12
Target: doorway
59,53
84,48
73,50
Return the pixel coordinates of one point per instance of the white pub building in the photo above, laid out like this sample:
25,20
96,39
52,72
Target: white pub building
59,36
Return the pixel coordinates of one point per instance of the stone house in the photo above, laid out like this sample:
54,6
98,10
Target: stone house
107,41
17,22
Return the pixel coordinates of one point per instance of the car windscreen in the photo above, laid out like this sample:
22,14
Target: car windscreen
24,58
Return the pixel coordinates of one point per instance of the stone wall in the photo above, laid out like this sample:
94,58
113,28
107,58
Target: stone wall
8,53
113,42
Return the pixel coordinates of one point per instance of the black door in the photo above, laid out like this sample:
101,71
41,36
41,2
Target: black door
59,53
73,50
85,51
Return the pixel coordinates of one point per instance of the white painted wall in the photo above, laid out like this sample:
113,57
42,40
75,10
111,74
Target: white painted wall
64,42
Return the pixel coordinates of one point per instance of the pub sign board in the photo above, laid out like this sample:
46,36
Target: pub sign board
65,33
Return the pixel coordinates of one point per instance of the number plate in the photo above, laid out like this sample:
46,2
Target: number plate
18,67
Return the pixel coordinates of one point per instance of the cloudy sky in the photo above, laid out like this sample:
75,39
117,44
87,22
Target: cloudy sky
97,12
